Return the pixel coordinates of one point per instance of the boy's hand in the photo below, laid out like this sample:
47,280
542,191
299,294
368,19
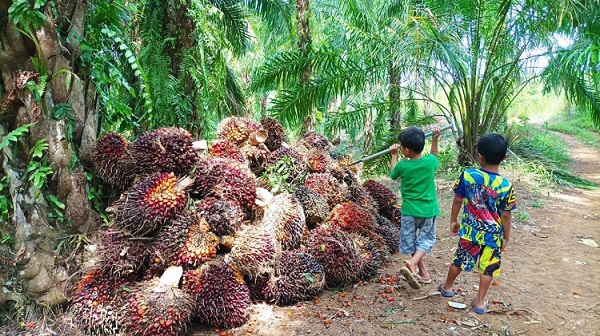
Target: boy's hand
394,149
436,132
454,227
504,243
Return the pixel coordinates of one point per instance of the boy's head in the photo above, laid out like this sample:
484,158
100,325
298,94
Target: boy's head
492,147
412,138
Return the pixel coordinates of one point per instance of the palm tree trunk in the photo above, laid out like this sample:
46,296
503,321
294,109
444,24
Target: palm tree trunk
304,45
395,113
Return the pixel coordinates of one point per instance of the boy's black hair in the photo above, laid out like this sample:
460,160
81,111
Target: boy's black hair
492,146
412,138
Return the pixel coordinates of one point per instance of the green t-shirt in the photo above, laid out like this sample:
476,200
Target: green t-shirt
419,197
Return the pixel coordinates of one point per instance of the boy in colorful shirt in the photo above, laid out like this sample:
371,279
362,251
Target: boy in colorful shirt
419,201
485,225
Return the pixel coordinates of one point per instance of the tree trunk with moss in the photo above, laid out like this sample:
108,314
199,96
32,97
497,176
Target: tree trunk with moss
38,219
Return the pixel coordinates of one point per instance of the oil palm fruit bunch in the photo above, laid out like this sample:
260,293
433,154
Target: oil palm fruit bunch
285,217
370,256
255,251
157,307
235,129
150,204
337,252
275,133
224,217
318,161
287,161
384,196
226,149
299,277
315,206
113,161
164,150
226,180
312,140
121,254
327,186
97,301
256,156
187,242
352,218
359,195
222,298
389,232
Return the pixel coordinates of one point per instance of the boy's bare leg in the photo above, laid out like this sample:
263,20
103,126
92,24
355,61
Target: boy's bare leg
413,262
484,284
423,273
453,272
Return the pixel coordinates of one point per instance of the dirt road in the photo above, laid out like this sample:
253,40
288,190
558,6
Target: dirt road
550,283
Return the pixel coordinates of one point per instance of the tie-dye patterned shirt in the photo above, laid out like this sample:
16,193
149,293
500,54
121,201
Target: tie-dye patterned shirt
485,195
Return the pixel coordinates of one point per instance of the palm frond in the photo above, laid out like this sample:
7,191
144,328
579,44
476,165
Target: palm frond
276,14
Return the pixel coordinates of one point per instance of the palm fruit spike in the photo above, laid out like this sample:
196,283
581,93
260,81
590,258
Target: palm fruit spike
257,286
275,133
164,150
150,203
327,186
226,149
337,252
360,195
287,161
389,232
187,241
314,205
352,218
96,303
234,129
255,251
319,161
157,307
385,198
226,180
284,216
299,277
223,217
120,254
371,259
222,297
112,160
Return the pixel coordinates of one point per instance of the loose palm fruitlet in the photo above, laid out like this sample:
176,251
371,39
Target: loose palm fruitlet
352,218
97,301
222,297
120,254
315,206
284,216
156,310
275,133
150,204
337,252
385,198
164,150
113,161
299,276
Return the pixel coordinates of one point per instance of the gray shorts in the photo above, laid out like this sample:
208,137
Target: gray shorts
417,233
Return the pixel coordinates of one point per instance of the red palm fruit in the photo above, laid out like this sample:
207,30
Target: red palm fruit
352,218
164,150
187,241
235,129
225,180
287,161
155,309
222,297
315,206
360,195
319,161
121,254
96,303
150,203
285,217
226,149
314,140
299,276
370,256
275,133
223,217
327,186
389,232
386,199
337,252
255,251
113,161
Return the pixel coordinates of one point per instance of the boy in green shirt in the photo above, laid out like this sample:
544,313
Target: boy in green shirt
419,201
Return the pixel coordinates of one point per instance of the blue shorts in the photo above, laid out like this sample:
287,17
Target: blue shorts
417,233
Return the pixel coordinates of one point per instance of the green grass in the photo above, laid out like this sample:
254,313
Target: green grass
578,124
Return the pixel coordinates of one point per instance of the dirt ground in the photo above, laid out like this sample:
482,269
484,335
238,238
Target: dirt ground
550,283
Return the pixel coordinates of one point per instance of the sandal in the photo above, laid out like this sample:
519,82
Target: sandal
444,293
410,278
480,310
421,280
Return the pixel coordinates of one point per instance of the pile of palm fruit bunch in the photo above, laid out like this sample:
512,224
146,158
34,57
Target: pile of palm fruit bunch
204,229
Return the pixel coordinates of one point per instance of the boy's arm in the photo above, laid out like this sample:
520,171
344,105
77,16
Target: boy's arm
456,204
394,151
506,227
434,141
